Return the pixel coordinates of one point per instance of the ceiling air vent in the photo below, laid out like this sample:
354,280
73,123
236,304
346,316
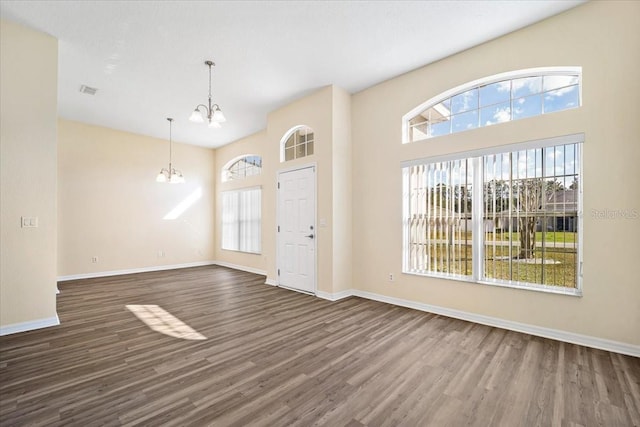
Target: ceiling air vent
88,90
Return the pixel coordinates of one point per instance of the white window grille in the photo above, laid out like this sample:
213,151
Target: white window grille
496,99
297,143
501,217
243,167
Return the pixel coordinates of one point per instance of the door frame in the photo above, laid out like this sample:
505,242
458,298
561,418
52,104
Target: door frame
313,165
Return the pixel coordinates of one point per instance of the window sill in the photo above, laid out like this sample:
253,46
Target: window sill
241,252
512,285
561,290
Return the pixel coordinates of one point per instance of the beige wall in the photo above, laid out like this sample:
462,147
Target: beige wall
111,207
603,38
315,111
342,192
327,111
28,101
255,144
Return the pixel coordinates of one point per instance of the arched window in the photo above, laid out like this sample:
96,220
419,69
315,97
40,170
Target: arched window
242,167
496,99
296,143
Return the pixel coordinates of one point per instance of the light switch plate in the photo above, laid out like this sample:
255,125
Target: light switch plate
28,221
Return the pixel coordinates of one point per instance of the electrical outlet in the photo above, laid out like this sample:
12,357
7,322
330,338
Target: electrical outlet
94,259
161,254
391,277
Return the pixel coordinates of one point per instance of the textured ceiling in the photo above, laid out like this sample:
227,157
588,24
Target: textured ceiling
147,57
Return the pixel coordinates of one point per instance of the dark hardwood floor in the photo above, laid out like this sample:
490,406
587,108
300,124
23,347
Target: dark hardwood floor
274,357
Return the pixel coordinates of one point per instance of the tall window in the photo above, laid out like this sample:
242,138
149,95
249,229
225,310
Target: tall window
497,99
503,217
242,167
242,219
438,217
297,143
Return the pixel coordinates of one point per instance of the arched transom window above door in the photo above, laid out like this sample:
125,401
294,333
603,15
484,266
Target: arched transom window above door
298,142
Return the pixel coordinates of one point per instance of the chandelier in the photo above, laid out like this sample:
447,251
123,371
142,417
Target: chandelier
211,112
170,174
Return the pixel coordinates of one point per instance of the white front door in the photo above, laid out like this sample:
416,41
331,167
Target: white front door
297,229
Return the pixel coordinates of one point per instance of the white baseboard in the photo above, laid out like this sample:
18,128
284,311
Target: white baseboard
29,326
241,268
271,282
569,337
134,270
336,296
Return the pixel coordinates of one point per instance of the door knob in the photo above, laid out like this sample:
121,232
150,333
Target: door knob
309,236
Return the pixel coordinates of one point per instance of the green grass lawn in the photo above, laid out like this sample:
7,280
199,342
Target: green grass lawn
549,236
457,260
562,272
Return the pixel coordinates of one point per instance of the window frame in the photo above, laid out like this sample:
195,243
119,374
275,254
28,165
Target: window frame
286,137
237,222
226,175
510,75
478,255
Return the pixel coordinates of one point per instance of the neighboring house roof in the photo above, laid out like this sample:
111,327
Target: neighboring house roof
562,201
559,203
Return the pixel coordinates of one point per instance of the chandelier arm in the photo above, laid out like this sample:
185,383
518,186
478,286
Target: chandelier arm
202,105
212,111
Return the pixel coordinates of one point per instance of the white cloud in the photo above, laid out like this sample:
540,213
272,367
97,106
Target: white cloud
552,82
467,97
553,154
560,92
504,86
502,115
533,84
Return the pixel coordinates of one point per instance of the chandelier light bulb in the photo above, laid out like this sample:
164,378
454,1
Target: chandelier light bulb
218,115
196,116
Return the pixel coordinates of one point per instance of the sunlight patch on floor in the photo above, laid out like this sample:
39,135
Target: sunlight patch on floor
160,320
